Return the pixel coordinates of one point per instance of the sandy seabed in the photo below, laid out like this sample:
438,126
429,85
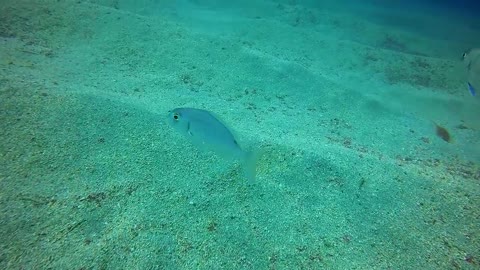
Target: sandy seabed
343,102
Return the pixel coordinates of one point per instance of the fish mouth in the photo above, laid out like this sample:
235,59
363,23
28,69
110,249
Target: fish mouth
466,53
169,117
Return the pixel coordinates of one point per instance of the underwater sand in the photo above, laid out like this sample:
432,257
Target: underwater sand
342,100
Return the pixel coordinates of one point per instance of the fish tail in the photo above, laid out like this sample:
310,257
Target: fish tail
471,89
250,165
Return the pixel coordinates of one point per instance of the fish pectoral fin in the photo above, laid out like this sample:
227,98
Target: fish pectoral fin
188,130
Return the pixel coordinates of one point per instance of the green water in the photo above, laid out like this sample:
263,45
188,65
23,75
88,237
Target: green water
342,100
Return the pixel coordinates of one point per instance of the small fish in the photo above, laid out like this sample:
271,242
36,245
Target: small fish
471,89
471,59
443,133
206,131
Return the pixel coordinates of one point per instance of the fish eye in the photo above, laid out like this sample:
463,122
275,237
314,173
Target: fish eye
175,116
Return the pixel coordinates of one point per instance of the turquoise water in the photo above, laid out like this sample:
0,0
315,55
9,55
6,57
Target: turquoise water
348,103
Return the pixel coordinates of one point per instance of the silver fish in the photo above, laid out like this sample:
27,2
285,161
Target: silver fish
206,131
471,59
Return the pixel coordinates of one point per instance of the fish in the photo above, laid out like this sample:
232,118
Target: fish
471,60
471,89
207,132
443,133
